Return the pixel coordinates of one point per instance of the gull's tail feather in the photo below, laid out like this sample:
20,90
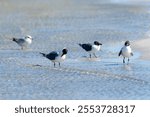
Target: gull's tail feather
43,54
14,39
80,44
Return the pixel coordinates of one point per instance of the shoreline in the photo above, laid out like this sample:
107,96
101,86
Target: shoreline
143,47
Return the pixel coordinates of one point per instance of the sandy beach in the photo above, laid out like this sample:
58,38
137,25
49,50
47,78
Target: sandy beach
55,24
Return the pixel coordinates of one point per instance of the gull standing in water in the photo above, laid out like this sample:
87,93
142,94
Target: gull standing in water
126,51
23,42
91,48
55,56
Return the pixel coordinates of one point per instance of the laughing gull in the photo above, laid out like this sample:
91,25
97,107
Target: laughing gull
23,42
126,51
91,49
55,56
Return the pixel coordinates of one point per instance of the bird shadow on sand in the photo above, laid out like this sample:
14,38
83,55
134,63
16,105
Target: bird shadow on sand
46,67
125,66
17,49
86,59
112,64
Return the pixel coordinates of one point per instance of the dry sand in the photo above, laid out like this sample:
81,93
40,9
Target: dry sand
143,46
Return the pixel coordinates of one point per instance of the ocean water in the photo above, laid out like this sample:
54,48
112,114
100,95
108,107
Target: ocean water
55,24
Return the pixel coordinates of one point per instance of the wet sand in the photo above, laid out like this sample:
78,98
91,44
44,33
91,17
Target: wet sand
144,48
27,75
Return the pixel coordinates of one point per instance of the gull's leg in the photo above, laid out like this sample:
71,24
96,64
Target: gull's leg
123,59
22,48
128,60
95,55
90,56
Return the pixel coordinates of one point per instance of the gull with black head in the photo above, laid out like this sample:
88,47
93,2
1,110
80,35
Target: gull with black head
56,57
126,51
91,48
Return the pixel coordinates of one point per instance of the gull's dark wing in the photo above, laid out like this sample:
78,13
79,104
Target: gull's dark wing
120,52
87,47
52,55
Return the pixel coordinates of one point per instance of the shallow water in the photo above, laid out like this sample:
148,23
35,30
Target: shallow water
27,75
